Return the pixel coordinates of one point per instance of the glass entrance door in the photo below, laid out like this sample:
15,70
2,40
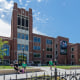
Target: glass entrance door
22,58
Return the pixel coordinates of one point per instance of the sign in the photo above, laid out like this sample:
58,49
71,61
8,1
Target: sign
63,47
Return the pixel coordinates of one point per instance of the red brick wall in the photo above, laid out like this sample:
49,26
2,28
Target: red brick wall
43,45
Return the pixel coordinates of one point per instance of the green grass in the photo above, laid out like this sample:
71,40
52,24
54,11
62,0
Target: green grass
6,67
9,67
65,67
68,67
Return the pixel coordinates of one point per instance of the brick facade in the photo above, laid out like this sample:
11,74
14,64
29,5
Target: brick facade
72,57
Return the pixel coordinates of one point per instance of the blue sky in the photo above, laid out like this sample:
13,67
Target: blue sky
50,17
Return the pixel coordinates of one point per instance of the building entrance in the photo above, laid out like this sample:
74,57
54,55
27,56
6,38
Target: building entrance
22,58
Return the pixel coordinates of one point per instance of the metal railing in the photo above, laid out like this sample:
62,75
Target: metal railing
54,75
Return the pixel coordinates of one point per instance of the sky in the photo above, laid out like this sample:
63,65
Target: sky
50,17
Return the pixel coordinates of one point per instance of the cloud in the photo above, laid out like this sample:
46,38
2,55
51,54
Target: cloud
2,16
20,2
5,5
39,0
35,30
42,0
5,29
38,17
28,1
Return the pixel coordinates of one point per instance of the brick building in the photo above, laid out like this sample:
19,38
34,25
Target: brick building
35,48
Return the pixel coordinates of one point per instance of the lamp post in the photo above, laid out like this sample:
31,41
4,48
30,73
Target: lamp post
23,53
43,57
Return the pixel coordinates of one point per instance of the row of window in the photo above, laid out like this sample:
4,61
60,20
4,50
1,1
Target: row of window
22,21
21,47
22,36
38,55
39,48
38,39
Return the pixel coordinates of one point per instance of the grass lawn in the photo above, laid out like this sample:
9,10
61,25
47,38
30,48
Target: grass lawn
9,67
66,67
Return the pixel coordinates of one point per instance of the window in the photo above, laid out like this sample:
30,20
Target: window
56,53
22,47
6,46
36,55
26,22
49,49
18,35
22,36
37,39
56,45
36,47
22,21
48,56
48,41
19,20
72,63
26,36
47,62
18,47
72,49
72,56
26,47
36,62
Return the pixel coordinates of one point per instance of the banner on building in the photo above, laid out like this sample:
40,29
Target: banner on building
63,47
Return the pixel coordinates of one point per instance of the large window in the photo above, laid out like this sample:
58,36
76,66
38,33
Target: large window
22,36
19,20
22,21
21,47
48,56
26,22
37,39
36,47
21,58
48,41
6,46
37,55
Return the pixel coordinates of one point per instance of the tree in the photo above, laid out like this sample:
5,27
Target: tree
2,50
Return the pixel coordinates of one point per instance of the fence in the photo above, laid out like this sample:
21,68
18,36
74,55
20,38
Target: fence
54,75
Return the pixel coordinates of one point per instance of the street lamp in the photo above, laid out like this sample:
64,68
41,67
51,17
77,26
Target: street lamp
43,57
23,53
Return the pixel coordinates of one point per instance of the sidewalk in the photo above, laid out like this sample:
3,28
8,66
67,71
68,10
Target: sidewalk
46,70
